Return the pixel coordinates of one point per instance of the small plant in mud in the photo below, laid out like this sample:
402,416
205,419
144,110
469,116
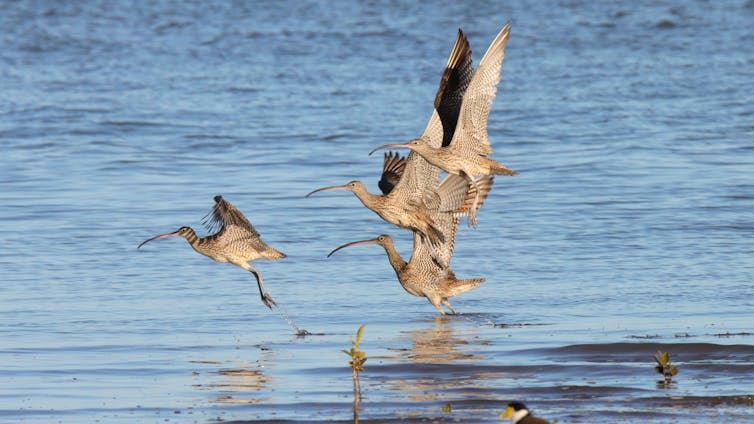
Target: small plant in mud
357,365
664,367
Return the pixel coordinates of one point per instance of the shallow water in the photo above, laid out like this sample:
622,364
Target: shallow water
628,231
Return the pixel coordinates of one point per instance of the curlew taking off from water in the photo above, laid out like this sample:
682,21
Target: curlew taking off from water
423,275
236,242
466,154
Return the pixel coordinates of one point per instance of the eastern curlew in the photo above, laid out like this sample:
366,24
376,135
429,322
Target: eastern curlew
467,153
427,272
418,196
422,275
236,242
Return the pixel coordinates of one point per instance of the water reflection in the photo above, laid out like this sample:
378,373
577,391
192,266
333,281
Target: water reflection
236,382
441,343
440,359
240,383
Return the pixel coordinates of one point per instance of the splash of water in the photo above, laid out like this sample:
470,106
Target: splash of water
476,322
284,313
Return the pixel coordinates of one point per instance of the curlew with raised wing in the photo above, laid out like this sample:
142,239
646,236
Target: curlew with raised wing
467,153
236,242
418,197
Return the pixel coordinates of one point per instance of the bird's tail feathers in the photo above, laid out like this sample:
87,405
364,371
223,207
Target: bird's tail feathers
273,254
462,286
485,185
452,191
500,169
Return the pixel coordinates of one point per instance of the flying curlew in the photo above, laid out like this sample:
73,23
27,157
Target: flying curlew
418,196
236,242
467,153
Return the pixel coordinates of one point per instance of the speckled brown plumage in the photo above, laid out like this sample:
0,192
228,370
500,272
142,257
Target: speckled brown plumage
467,153
418,197
423,276
236,242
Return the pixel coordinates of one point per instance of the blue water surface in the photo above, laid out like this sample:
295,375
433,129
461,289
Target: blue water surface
628,230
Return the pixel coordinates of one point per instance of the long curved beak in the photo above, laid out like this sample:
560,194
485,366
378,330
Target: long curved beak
338,187
390,146
353,243
174,233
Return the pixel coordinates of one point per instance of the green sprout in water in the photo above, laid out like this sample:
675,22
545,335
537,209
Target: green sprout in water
357,365
664,367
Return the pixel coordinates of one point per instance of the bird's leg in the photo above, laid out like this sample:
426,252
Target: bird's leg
471,221
447,305
266,298
435,301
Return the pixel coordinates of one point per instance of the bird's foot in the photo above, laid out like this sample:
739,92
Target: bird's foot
268,300
450,308
471,221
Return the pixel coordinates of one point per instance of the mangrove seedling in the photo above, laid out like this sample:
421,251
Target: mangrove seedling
664,366
357,365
